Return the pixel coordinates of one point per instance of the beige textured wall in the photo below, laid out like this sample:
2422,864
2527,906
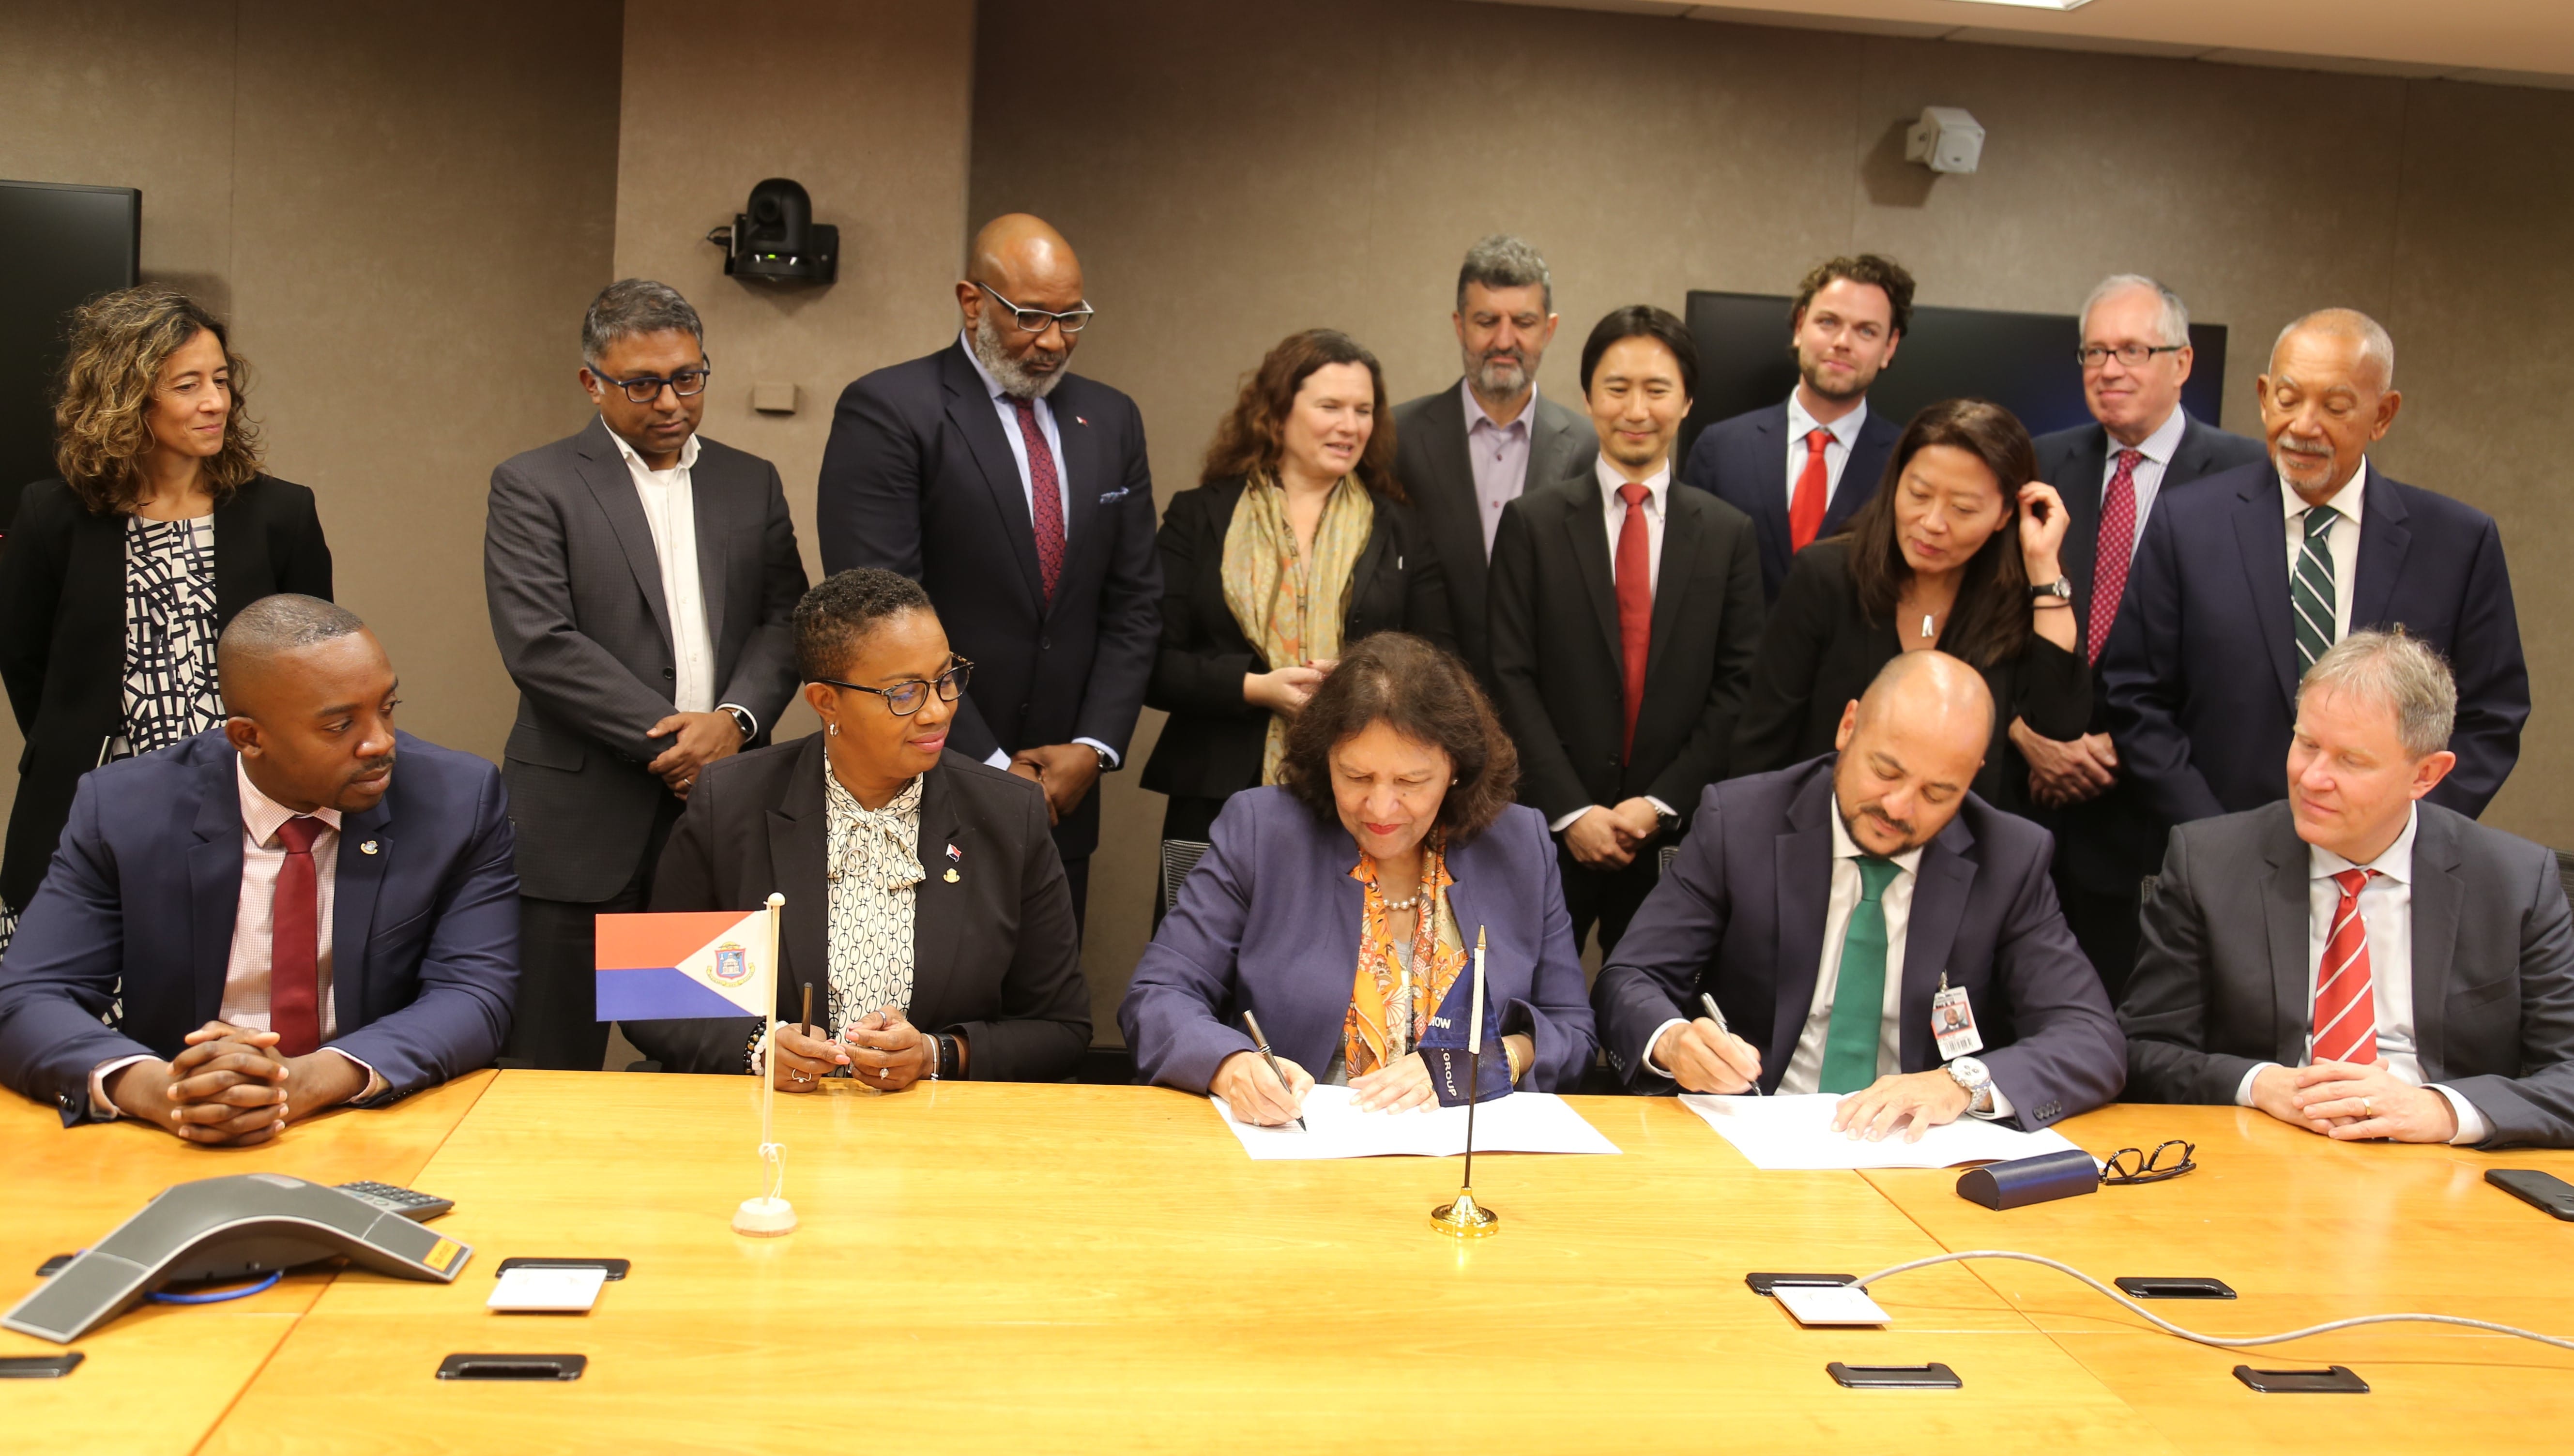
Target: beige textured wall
399,218
1232,173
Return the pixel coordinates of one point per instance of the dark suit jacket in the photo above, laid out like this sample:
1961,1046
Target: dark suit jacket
575,588
1821,651
2222,984
918,479
1430,460
139,908
1269,922
2201,669
1557,657
1740,916
2108,843
1211,746
994,956
1743,462
62,634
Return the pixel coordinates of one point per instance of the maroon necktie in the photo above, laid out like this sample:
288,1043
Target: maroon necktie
1045,497
2109,563
1635,604
294,948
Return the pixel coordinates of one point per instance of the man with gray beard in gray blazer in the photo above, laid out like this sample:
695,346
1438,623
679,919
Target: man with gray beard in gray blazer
641,578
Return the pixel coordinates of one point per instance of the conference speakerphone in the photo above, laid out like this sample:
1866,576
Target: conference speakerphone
244,1226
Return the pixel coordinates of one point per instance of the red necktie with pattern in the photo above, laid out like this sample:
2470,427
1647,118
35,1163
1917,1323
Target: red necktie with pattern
2346,998
1046,493
2117,542
294,946
1635,604
1805,508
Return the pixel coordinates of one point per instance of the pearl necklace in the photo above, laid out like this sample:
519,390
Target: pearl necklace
1400,905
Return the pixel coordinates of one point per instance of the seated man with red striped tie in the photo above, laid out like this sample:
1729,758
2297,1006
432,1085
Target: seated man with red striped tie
267,919
2357,962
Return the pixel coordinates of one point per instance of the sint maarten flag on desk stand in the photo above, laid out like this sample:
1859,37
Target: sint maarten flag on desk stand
701,963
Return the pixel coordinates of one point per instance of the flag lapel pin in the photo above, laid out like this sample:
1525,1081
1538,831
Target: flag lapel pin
957,857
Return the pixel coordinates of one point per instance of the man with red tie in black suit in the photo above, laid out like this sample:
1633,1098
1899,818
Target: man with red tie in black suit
1018,495
2134,357
1622,667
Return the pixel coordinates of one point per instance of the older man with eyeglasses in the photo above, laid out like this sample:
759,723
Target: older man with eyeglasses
1018,495
625,695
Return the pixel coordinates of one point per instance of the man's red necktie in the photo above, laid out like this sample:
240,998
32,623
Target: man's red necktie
294,948
1046,493
1805,508
2346,998
1635,604
2117,542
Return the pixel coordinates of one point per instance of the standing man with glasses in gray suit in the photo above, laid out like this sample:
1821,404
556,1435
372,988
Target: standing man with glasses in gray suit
642,578
1471,449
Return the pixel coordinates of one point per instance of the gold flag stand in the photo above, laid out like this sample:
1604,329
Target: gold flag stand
1465,1218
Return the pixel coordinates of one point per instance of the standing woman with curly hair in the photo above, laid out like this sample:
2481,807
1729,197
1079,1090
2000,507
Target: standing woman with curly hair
116,578
1296,540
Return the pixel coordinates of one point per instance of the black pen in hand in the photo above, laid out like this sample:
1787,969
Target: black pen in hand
1260,1044
1718,1018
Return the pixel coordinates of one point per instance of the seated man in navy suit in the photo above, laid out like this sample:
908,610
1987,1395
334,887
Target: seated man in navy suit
260,924
1846,913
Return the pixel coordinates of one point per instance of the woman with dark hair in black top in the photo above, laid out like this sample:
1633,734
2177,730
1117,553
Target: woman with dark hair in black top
1959,551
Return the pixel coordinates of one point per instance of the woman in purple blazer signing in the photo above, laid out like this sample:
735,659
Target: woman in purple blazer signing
1340,907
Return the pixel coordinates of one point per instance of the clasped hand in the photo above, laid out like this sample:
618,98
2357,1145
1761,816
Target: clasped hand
2351,1103
1608,838
882,1048
1064,770
230,1087
697,740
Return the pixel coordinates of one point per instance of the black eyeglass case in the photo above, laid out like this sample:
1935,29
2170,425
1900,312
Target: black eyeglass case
2023,1181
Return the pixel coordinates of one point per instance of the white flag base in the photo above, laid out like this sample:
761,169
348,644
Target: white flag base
764,1217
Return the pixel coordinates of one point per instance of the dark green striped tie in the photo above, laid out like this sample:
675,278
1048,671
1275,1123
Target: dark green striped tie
2310,590
1859,995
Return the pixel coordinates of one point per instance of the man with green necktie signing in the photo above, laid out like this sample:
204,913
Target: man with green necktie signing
1871,928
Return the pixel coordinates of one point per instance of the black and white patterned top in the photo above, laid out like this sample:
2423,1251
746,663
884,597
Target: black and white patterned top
874,859
170,691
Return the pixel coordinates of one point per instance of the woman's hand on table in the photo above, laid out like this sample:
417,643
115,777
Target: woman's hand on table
1398,1086
804,1059
888,1052
1245,1083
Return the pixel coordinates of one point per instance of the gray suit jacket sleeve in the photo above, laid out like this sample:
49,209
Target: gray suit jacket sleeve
2537,1107
527,579
2165,1011
764,676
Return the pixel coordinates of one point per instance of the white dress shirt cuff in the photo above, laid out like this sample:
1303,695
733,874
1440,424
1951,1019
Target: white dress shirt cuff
2472,1126
1000,760
2000,1108
1656,1041
2243,1089
99,1106
1115,760
1566,823
375,1086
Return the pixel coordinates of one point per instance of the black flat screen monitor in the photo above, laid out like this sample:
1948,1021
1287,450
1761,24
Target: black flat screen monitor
2022,362
60,246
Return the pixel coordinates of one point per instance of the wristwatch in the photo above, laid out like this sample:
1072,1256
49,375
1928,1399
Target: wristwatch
1970,1073
2062,588
1106,764
741,720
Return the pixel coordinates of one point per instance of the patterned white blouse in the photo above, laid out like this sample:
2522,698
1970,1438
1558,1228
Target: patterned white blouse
170,691
874,870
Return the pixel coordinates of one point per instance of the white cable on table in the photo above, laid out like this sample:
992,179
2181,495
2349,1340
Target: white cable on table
2220,1341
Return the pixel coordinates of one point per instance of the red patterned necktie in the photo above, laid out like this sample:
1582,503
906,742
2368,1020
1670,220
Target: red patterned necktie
1635,604
2117,542
1805,508
1046,495
2345,1000
294,946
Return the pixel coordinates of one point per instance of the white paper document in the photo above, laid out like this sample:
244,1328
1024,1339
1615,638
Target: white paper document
1336,1128
1797,1133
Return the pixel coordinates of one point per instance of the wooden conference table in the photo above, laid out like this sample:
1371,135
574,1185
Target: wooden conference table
1101,1268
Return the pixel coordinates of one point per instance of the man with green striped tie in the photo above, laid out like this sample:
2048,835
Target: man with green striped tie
1868,928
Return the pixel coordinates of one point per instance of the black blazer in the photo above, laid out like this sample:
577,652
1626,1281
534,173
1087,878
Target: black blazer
2201,667
62,634
918,479
1211,746
2108,843
1743,462
1821,651
2222,984
1740,916
1557,657
1430,460
994,956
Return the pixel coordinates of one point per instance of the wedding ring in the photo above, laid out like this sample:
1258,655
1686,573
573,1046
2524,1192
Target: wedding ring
2365,1111
885,1074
